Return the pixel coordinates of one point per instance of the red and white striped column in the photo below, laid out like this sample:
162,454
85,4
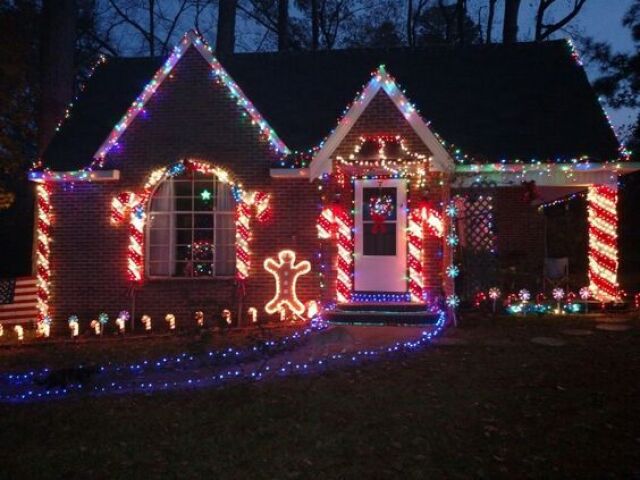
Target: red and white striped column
602,204
43,240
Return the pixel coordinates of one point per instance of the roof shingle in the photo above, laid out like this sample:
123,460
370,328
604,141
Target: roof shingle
494,102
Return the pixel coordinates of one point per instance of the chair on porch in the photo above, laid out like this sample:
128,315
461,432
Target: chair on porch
556,273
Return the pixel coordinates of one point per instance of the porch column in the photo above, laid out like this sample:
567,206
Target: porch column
602,203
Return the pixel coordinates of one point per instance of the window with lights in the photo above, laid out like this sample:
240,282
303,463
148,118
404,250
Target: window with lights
191,228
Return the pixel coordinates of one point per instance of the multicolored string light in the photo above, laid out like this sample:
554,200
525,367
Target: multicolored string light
190,39
43,249
336,222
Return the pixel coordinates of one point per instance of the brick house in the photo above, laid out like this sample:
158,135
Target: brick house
173,203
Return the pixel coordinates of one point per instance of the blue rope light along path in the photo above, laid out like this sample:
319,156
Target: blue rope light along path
284,357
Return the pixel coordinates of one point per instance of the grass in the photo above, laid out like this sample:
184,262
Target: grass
497,406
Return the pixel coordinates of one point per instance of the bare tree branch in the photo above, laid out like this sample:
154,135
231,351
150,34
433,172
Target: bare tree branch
543,30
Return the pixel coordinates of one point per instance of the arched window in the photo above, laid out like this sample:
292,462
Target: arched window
191,228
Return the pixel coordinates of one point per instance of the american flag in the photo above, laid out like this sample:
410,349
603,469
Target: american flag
18,300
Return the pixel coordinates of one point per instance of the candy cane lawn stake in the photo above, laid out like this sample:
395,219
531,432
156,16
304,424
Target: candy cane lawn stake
146,322
494,295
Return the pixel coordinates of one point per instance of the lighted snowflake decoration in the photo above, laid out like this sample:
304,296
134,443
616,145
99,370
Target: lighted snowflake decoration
73,319
524,295
46,320
453,271
124,316
453,301
585,293
494,293
558,293
452,240
103,318
451,210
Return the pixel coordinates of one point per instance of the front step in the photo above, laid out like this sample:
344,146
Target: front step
382,314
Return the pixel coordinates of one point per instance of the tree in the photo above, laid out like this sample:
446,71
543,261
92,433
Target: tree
283,25
510,22
440,23
155,22
620,82
226,35
490,17
545,30
57,65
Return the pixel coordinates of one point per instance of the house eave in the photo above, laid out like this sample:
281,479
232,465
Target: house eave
544,174
47,176
289,173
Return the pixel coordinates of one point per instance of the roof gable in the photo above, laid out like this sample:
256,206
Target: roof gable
190,39
380,81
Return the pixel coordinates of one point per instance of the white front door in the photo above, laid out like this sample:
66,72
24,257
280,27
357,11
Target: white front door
380,236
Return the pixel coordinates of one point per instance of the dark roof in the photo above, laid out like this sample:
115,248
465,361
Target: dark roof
522,101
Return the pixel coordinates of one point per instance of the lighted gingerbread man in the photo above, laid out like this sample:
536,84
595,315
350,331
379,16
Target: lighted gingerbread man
286,273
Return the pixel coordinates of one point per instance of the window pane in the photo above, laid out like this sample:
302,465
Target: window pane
379,200
202,251
202,205
203,220
184,204
382,242
225,201
183,188
184,269
160,269
159,253
159,221
184,220
183,253
160,236
184,237
203,235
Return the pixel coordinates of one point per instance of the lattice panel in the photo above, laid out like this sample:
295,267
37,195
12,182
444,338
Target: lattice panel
478,240
479,226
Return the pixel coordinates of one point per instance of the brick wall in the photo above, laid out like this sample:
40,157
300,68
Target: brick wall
520,240
190,116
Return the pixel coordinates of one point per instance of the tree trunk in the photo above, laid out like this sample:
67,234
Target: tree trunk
226,35
152,28
283,25
315,25
59,19
410,41
510,28
461,14
492,13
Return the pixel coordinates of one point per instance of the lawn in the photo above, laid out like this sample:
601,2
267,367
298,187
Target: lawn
487,404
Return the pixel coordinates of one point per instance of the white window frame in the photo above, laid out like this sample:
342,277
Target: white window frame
173,212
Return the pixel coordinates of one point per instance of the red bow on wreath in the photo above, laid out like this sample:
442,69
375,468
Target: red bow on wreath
378,223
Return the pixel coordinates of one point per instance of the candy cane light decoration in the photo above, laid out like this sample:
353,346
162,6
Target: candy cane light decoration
43,240
131,205
420,219
335,222
603,237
